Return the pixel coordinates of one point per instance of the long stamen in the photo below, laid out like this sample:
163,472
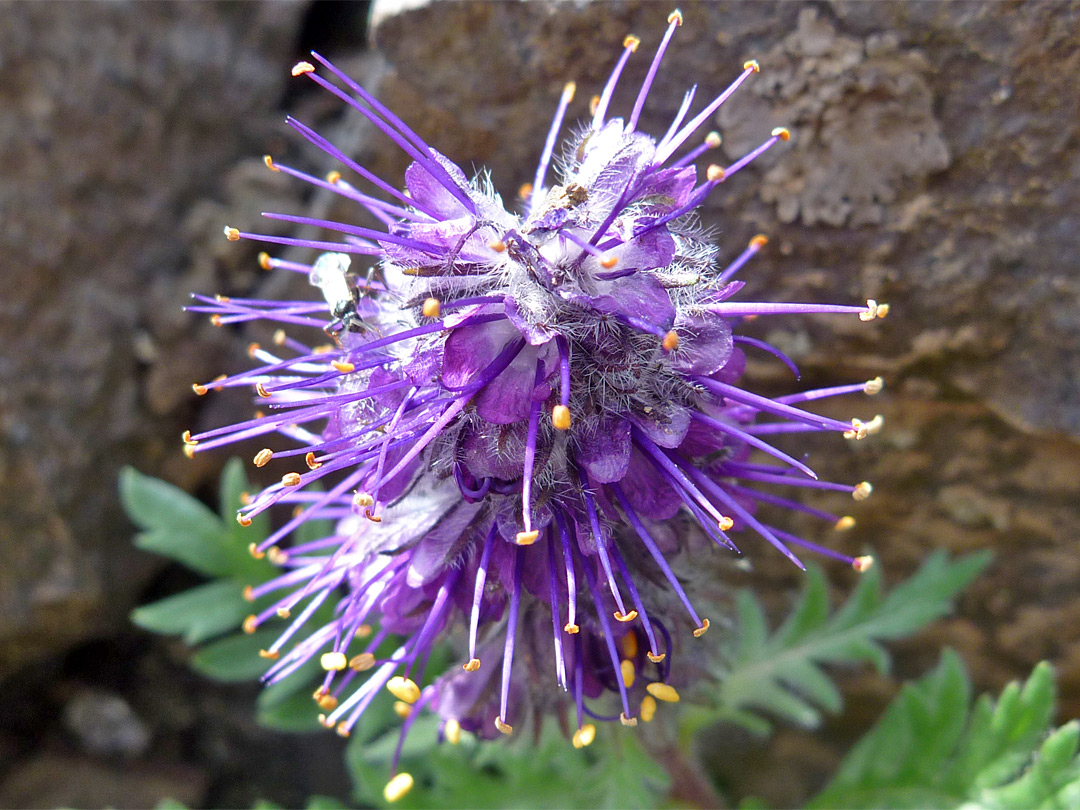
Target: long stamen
553,589
609,640
508,650
630,44
549,145
571,579
529,536
478,597
675,19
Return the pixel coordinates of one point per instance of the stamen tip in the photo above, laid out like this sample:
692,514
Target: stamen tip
571,629
759,241
675,18
404,689
699,632
863,491
301,68
264,260
398,787
432,308
663,691
584,736
752,64
269,161
503,726
471,665
262,458
844,524
874,386
627,721
527,538
607,262
862,564
715,174
631,42
783,133
560,417
656,658
670,341
232,234
713,140
625,617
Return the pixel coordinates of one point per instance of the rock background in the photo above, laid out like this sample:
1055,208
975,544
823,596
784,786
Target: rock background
935,164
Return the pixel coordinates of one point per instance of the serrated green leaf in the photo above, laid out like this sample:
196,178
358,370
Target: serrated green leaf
176,525
780,675
235,658
197,614
931,748
614,772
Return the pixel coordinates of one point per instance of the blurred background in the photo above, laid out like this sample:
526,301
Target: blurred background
935,164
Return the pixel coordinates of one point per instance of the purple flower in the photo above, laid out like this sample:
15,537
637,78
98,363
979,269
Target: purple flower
513,411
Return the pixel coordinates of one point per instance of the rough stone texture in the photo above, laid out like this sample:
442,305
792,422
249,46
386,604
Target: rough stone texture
118,118
935,164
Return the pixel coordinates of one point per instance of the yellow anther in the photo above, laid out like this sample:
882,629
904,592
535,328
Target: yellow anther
594,104
245,521
232,234
402,709
248,593
663,691
363,500
344,366
862,564
631,42
327,703
260,389
499,246
567,95
363,631
670,341
858,430
626,667
863,491
715,174
283,612
362,662
215,320
524,193
342,729
264,261
269,161
251,624
725,523
656,658
607,262
873,310
324,348
844,523
571,629
333,177
625,617
372,516
309,459
279,337
629,645
699,632
276,555
253,349
302,67
253,548
290,479
875,425
200,390
262,458
471,665
269,654
560,417
432,308
648,708
783,133
398,787
452,731
189,451
333,661
503,726
752,64
873,386
713,139
627,721
527,538
759,241
675,17
584,736
403,689
186,436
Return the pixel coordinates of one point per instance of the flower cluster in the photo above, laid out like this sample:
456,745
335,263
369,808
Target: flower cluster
510,412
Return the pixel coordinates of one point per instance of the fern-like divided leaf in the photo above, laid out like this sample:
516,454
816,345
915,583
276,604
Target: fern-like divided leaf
527,772
932,748
781,674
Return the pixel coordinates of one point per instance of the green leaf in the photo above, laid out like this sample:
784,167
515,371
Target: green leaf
175,524
197,614
234,484
932,748
235,658
297,712
522,772
780,674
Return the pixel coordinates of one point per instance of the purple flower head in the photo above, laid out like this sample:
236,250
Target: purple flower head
514,407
